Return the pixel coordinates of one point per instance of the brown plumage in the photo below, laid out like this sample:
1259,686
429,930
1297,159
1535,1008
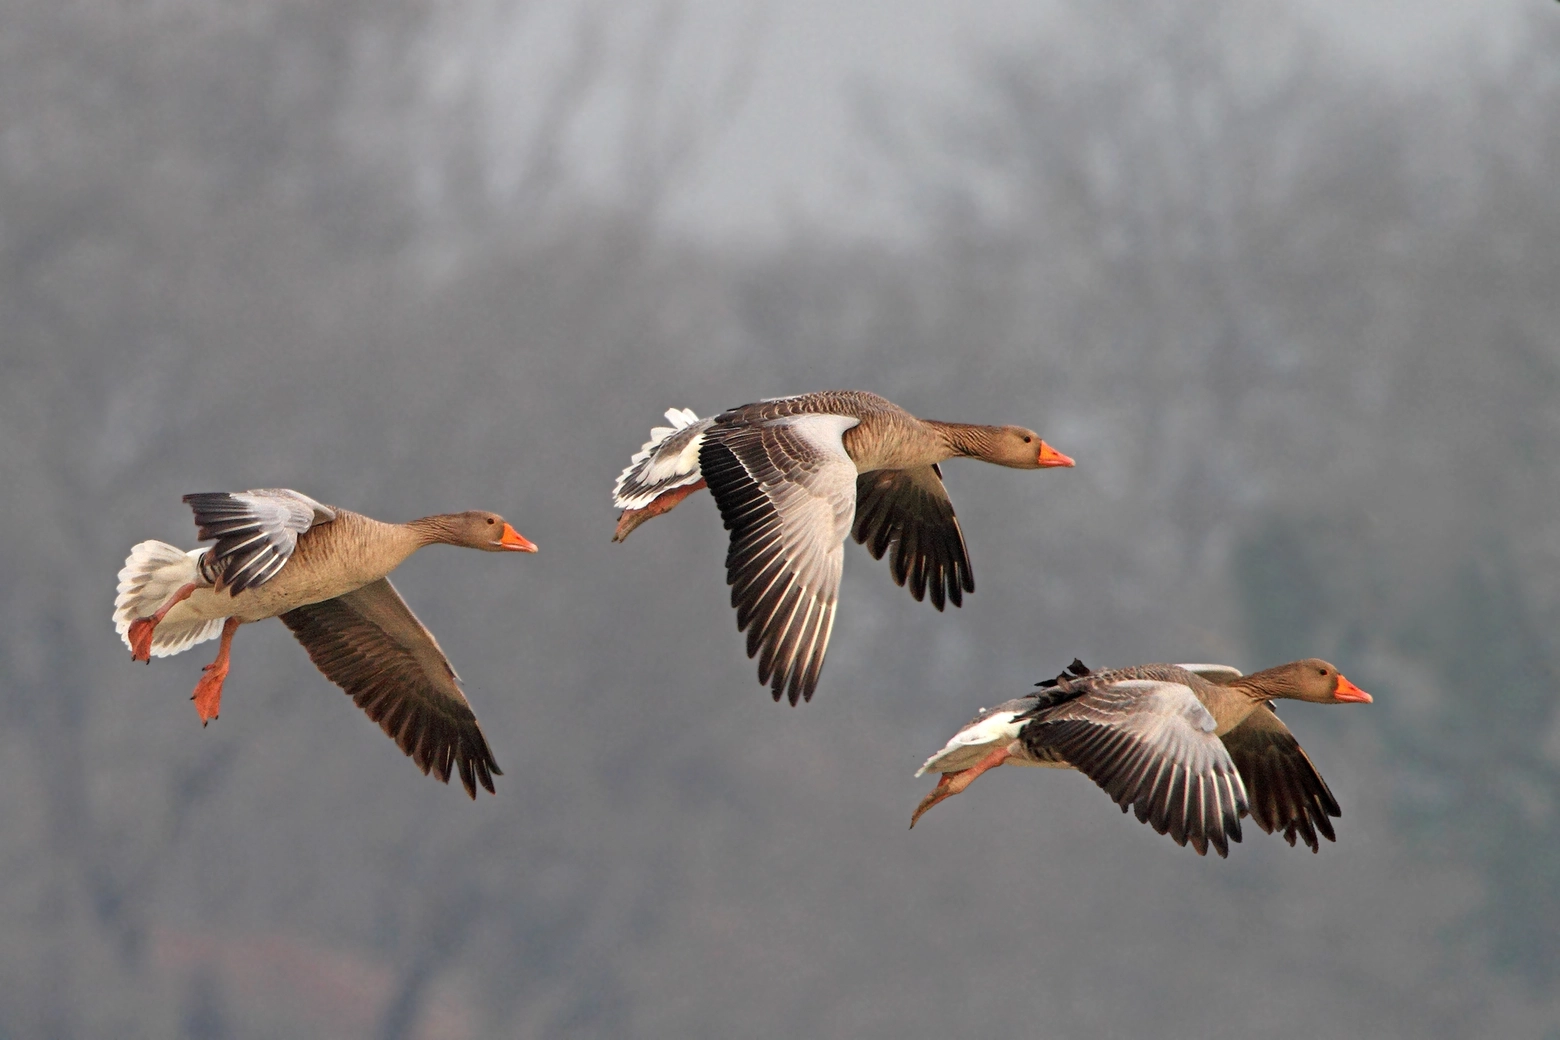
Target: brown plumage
793,477
322,570
1189,748
369,643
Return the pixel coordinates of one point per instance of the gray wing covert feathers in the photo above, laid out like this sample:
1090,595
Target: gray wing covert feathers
1150,744
370,644
786,490
256,531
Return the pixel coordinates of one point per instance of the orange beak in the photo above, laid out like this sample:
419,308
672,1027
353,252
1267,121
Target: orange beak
1049,456
514,540
1348,693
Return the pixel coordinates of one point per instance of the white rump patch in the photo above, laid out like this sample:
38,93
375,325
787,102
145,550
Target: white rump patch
997,726
995,729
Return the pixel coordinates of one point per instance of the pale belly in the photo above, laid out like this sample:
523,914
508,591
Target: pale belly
266,601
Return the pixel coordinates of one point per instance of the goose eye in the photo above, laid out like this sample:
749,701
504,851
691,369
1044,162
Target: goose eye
491,521
1029,440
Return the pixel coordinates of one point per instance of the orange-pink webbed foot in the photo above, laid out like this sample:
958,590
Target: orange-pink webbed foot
665,503
952,783
208,692
141,629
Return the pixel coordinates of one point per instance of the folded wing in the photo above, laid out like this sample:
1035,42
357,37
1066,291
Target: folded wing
370,644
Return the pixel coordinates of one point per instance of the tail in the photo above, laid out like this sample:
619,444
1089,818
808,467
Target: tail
669,459
153,572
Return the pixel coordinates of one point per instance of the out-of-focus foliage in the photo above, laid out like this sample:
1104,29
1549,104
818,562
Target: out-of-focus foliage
1299,329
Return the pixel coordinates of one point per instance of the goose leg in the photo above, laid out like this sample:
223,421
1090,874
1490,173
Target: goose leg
208,692
141,629
632,518
952,783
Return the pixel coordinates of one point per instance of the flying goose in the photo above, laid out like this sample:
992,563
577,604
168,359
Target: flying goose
322,570
1190,748
792,477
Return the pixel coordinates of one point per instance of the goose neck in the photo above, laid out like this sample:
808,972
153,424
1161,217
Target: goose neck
965,440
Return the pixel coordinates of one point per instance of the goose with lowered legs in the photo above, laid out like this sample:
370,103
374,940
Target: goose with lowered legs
323,571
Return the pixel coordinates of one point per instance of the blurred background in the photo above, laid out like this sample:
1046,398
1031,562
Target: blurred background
1282,278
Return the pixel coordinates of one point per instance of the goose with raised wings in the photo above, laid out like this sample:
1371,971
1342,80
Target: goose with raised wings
322,570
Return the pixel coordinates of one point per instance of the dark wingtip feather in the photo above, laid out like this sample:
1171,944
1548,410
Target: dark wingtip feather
920,533
955,594
467,776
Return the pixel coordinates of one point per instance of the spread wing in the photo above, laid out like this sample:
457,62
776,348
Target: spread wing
908,511
1151,745
370,644
256,531
1287,793
786,491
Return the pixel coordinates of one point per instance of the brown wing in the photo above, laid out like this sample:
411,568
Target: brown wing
370,644
908,510
1151,745
1285,790
786,491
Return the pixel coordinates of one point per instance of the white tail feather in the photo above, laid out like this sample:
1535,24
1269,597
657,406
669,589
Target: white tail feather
652,472
152,573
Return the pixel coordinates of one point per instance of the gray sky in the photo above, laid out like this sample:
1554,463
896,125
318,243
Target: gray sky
1306,352
774,88
788,151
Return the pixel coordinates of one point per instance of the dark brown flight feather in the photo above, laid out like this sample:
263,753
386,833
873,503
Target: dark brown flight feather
370,644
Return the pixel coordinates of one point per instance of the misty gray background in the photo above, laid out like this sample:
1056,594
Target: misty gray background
1282,279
